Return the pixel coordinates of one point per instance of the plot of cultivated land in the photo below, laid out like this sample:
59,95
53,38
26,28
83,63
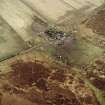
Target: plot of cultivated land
17,15
54,9
51,9
84,2
10,43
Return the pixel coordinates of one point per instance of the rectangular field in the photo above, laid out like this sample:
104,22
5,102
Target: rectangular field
10,42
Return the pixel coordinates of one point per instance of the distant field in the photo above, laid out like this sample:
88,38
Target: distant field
10,43
20,24
51,9
54,9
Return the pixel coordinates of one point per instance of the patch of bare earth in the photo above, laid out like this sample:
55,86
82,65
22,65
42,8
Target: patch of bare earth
99,83
44,85
96,73
28,73
97,22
